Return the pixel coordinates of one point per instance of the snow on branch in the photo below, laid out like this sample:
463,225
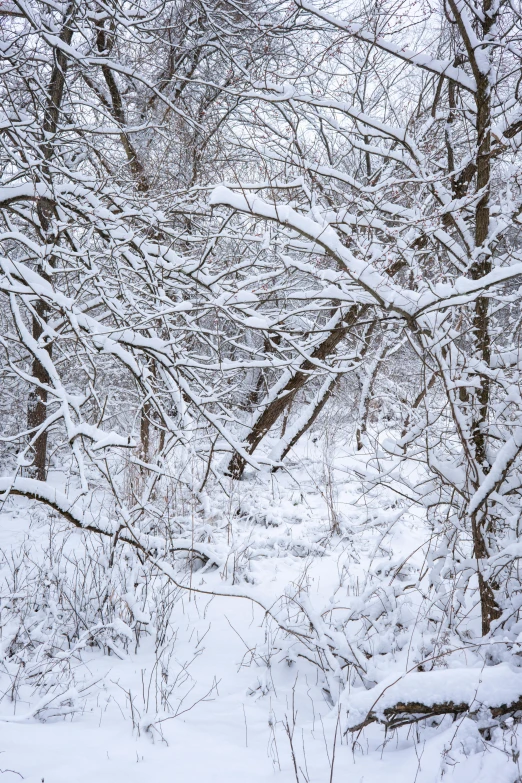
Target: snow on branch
426,62
419,695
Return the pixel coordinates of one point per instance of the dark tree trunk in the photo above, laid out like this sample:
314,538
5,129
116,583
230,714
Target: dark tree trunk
481,266
268,417
37,402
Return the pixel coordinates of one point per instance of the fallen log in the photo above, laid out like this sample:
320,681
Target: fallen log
415,696
402,714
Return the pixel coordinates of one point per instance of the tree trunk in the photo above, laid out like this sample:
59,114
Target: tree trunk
37,402
481,266
269,415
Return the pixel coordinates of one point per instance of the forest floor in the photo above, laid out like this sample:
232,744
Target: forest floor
248,710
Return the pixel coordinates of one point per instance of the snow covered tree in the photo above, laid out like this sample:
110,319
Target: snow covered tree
408,156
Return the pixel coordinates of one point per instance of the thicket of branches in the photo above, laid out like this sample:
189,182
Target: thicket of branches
219,217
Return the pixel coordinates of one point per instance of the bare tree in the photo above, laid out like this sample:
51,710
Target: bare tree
435,199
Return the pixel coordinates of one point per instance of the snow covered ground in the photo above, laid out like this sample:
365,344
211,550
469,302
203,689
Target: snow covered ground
245,703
